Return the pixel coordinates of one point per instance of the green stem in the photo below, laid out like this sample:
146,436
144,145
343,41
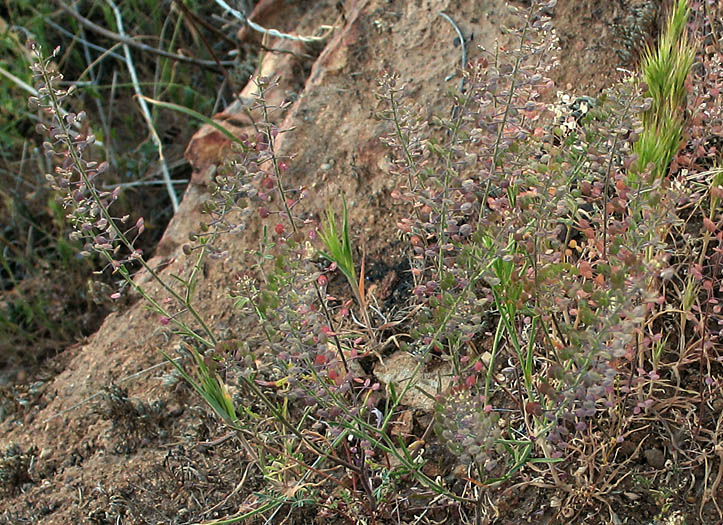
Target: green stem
78,163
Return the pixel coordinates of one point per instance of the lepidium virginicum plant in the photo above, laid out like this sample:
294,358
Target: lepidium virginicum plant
294,326
463,184
303,371
89,211
312,348
535,256
538,243
88,207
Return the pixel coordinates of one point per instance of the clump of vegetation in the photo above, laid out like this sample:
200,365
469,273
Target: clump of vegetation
15,467
133,421
565,261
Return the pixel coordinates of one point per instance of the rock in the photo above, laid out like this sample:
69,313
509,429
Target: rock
398,368
655,457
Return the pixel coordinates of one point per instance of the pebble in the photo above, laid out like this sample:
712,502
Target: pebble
655,457
627,448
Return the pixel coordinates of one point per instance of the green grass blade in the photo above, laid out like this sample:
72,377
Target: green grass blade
195,114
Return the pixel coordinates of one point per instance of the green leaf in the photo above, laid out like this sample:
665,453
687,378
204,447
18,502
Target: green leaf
195,114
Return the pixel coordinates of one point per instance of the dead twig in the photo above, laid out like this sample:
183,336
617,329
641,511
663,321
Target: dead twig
144,110
241,16
211,64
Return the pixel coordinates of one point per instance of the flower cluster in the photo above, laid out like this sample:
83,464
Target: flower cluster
471,429
75,176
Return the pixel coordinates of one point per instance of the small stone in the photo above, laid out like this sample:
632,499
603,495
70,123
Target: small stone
655,457
432,469
627,449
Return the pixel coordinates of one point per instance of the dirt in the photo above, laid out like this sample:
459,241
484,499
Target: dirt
107,435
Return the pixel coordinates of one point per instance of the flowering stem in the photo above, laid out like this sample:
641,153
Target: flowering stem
79,165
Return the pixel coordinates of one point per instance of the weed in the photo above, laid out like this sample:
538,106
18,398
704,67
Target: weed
101,232
548,275
553,226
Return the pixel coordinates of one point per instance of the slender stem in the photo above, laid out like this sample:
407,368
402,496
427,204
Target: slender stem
291,428
78,162
287,209
275,161
445,189
329,320
508,107
402,140
435,338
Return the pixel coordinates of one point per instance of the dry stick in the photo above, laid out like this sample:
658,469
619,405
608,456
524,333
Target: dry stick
194,20
111,97
692,285
238,487
718,448
703,356
241,16
83,41
124,39
144,109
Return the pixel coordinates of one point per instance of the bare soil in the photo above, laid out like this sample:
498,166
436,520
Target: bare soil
96,443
